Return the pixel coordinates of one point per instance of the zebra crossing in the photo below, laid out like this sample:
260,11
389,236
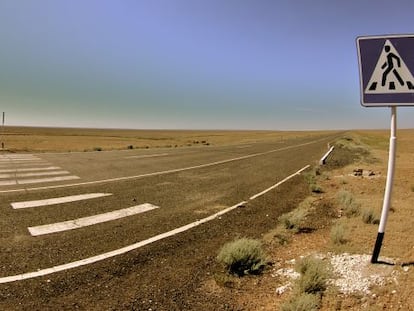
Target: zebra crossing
23,169
79,222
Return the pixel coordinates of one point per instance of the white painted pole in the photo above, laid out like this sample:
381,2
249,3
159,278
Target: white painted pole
388,186
326,155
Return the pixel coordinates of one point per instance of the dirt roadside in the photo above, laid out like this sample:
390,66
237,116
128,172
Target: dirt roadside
368,287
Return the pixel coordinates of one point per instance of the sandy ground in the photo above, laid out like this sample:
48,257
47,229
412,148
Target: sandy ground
386,287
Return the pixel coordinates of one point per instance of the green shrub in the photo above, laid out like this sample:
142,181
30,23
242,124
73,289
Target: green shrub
310,177
345,197
314,275
338,234
97,149
282,239
293,220
302,302
369,217
242,256
350,206
352,210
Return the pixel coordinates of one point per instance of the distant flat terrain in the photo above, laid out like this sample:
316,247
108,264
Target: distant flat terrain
42,139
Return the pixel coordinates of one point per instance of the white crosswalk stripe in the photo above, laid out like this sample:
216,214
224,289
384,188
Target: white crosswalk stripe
2,176
22,169
80,222
30,169
60,200
91,220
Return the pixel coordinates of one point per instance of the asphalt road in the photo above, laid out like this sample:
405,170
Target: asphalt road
186,185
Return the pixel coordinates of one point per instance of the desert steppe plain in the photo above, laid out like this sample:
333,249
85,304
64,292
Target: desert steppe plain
191,175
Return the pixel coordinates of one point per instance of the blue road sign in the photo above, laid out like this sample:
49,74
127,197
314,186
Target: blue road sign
386,67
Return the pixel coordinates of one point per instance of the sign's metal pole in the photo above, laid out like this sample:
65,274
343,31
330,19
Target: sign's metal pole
388,186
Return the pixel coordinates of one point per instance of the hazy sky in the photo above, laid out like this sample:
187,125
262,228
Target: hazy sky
203,64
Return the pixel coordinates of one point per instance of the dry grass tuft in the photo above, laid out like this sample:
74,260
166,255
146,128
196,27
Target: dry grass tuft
370,217
347,201
314,275
242,256
338,234
302,302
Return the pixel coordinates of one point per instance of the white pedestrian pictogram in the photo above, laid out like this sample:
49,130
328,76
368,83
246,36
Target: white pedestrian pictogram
391,75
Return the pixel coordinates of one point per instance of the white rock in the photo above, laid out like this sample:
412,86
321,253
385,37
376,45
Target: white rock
290,273
280,290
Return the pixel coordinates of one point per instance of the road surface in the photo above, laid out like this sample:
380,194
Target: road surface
117,199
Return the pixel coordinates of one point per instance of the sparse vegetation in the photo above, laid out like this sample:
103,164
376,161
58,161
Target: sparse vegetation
315,188
34,139
349,149
311,179
310,286
369,216
349,205
293,221
282,238
338,234
302,302
354,143
97,149
314,275
242,256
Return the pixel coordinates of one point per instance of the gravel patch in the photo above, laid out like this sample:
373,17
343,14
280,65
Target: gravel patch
351,273
357,274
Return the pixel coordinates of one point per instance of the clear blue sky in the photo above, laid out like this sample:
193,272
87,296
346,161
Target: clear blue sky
192,64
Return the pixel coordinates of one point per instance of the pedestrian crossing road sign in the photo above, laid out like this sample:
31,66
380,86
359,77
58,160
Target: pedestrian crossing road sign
386,68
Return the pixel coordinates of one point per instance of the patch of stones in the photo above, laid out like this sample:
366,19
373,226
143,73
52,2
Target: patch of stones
352,273
355,273
359,172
